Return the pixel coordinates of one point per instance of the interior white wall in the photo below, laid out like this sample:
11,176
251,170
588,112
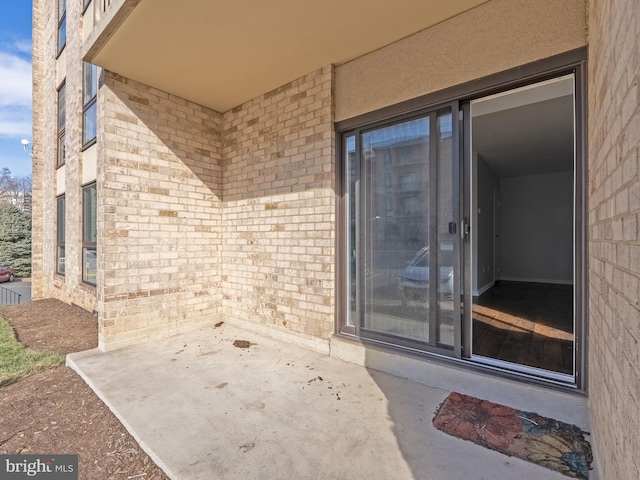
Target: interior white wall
485,182
536,228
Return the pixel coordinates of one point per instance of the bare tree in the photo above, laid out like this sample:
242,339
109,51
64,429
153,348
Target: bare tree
15,190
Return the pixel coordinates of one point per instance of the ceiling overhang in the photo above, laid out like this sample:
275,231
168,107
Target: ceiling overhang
221,53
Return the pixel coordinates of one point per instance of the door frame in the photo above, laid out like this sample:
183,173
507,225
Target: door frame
470,268
574,61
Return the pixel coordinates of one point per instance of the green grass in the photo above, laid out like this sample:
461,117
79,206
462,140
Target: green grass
17,361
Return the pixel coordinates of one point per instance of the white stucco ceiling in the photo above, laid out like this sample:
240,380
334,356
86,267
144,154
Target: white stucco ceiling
221,53
526,131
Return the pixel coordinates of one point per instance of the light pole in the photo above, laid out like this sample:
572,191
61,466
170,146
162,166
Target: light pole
28,147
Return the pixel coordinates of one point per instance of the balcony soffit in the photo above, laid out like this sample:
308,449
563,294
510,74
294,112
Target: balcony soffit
221,53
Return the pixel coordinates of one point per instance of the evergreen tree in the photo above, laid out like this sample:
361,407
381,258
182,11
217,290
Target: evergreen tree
15,239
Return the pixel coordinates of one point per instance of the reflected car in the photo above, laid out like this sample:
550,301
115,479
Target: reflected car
90,265
413,281
6,274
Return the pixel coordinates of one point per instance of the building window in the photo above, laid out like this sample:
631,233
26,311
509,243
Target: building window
89,234
62,142
62,25
85,4
89,101
60,235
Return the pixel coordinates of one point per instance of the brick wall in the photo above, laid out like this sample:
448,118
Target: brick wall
165,237
46,76
74,290
159,212
614,208
279,214
38,162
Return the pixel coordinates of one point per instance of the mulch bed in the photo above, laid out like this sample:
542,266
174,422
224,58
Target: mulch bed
54,411
529,436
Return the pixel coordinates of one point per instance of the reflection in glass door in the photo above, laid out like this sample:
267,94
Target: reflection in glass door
402,232
395,223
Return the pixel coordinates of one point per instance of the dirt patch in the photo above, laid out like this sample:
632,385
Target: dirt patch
54,411
242,343
53,325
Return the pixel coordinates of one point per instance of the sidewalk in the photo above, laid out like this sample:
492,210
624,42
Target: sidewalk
204,409
21,286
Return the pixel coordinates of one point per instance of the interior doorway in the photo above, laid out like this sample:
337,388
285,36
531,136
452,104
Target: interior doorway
521,259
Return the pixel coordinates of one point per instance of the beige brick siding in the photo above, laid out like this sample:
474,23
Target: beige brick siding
279,214
280,142
614,208
168,246
189,229
159,212
39,107
46,283
76,291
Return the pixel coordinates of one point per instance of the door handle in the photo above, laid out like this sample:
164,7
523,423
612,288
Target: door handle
466,229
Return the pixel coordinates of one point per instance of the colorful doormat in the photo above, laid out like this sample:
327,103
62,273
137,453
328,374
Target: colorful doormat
547,442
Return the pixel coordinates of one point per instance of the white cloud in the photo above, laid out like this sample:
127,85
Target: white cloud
15,128
15,91
23,46
15,80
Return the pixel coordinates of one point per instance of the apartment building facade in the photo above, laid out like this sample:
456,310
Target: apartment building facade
305,171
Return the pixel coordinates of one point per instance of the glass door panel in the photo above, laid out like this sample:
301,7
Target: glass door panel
407,246
350,194
446,232
395,234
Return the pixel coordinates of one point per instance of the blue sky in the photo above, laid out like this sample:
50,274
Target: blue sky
15,84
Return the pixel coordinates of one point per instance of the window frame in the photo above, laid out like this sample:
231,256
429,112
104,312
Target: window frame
60,233
89,228
61,150
90,103
62,27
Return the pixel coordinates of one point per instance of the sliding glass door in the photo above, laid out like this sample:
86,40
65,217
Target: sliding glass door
402,231
462,228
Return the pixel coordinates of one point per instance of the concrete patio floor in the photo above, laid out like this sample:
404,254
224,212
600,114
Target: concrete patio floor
204,409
